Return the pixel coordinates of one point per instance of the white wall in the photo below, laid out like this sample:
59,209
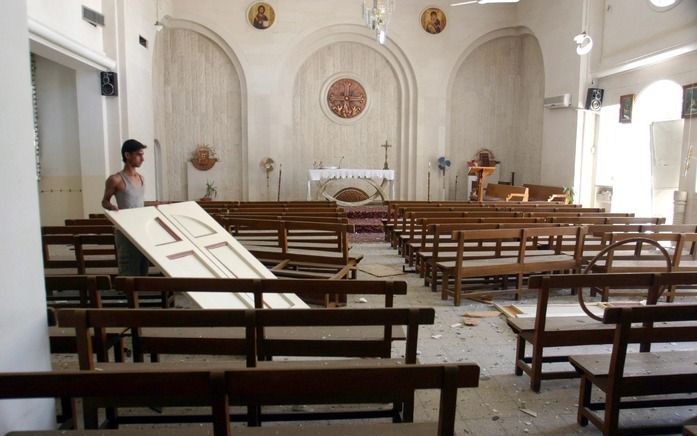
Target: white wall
65,17
271,61
24,339
135,67
554,24
632,29
60,185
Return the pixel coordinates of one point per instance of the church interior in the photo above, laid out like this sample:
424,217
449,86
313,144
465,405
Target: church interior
448,186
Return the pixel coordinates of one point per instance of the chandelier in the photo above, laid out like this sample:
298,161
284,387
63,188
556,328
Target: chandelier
377,14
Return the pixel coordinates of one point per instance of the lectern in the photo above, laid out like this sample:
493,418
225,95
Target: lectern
482,173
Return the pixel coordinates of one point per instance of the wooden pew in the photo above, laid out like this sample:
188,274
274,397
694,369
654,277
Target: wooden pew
544,331
300,258
497,192
256,334
443,249
682,257
545,193
322,235
519,265
328,291
606,220
395,209
186,387
134,287
88,290
256,387
409,218
645,374
61,246
423,236
358,385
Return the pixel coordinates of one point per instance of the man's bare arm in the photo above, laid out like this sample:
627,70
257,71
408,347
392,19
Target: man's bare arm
110,188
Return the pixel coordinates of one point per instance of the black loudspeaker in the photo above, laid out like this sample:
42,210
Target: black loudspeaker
109,83
594,99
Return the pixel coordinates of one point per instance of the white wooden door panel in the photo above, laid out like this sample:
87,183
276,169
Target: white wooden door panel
214,240
223,249
184,241
163,244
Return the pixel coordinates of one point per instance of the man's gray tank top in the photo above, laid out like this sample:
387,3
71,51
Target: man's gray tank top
132,196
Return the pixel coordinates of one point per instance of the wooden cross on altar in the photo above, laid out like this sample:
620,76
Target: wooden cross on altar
386,146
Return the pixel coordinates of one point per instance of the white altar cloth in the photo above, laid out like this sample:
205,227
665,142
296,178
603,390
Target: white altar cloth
347,173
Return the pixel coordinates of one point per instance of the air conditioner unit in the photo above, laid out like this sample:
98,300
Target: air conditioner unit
558,101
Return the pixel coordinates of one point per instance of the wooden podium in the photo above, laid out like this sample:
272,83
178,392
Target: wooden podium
482,173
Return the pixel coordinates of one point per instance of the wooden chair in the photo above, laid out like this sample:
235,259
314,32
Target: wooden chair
645,374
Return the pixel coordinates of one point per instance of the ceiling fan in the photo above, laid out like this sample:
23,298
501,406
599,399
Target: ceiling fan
483,2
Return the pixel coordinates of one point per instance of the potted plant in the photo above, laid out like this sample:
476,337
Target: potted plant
211,191
569,193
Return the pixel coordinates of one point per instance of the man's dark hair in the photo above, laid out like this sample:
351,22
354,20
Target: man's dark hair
130,146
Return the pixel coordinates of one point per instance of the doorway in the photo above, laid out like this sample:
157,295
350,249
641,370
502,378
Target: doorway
640,161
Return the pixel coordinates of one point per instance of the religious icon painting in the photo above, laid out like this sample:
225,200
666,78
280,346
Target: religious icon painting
346,98
261,15
689,100
433,20
626,106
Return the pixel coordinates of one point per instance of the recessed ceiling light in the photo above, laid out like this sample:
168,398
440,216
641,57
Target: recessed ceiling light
663,5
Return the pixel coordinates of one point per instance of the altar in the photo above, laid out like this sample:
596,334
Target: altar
324,177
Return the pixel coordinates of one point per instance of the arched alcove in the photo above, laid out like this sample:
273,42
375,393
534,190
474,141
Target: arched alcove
199,98
347,51
321,136
496,98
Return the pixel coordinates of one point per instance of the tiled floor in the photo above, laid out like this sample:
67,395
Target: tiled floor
494,408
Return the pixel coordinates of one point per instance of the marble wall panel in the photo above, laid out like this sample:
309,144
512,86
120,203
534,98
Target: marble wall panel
197,101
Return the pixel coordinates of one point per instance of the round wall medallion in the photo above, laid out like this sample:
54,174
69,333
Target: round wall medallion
433,20
346,98
203,158
261,15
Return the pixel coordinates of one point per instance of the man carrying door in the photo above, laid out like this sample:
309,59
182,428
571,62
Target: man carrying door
128,186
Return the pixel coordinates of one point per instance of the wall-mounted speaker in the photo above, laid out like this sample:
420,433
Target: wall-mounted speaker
594,99
109,83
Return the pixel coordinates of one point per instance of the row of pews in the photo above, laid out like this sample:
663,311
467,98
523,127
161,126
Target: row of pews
457,247
453,245
283,357
293,239
240,364
128,337
253,345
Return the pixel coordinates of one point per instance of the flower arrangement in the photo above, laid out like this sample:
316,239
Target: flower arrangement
211,190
